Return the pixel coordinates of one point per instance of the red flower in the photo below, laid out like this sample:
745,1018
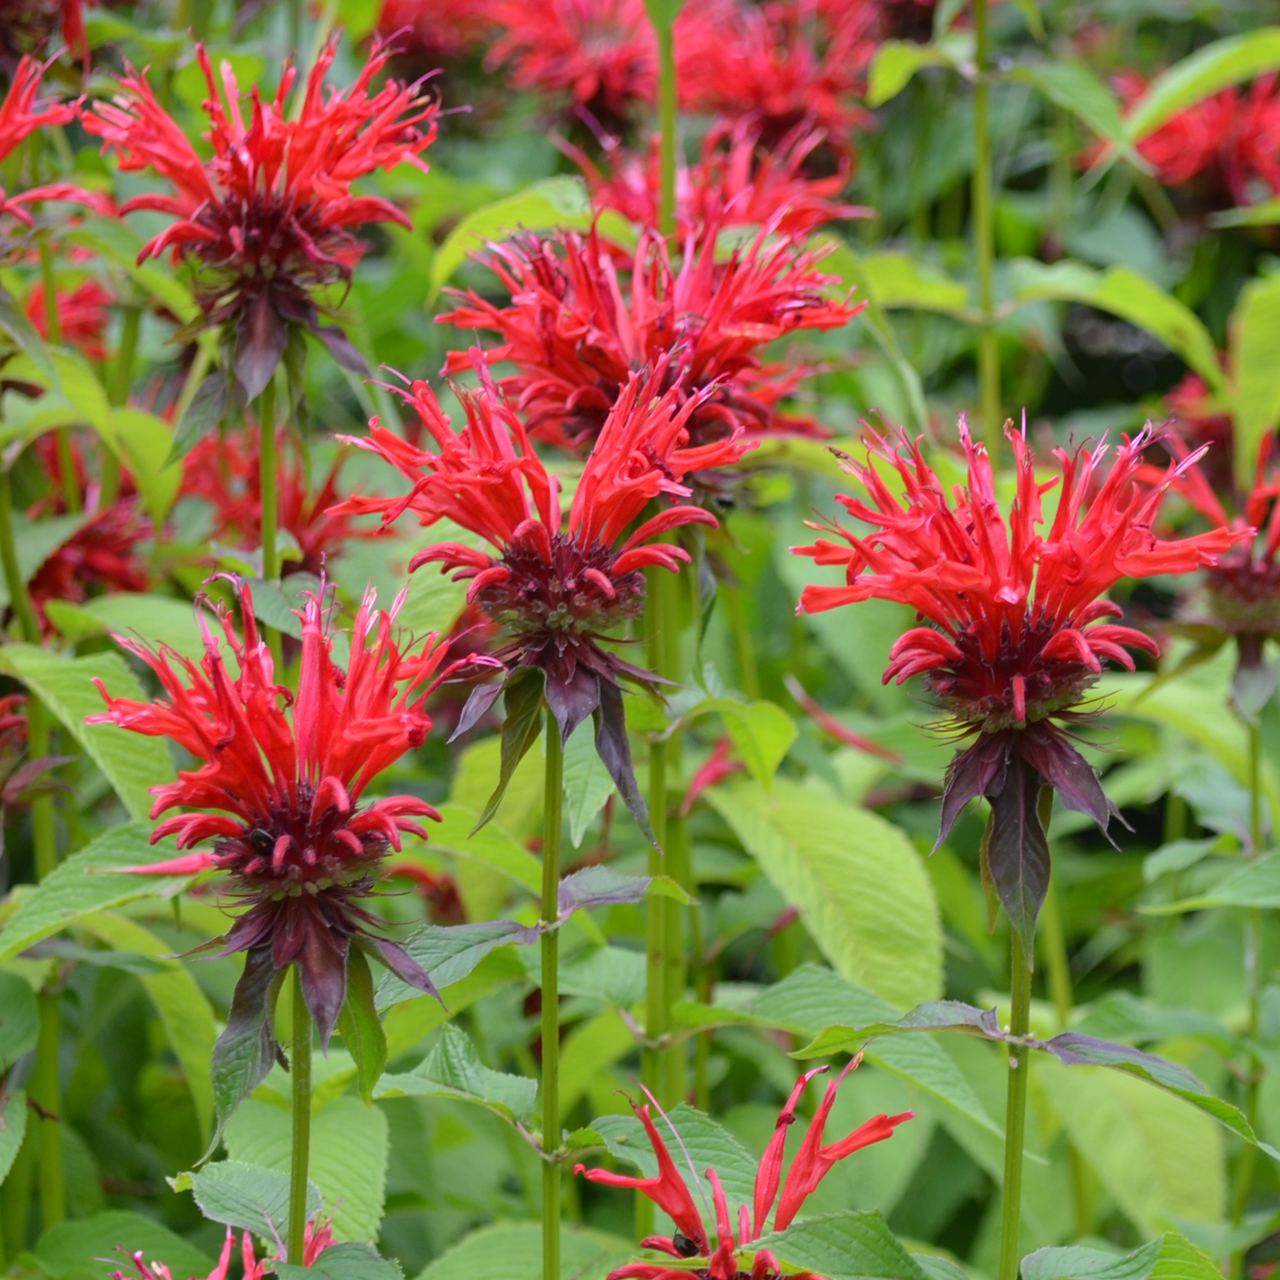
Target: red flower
783,62
669,1191
557,592
21,114
267,221
83,316
435,31
300,849
601,54
737,181
576,333
223,470
1017,633
316,1239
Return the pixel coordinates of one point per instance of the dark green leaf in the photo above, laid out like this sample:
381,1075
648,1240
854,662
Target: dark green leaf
246,1049
353,1260
449,952
359,1026
247,1196
19,1021
843,1246
13,1127
521,725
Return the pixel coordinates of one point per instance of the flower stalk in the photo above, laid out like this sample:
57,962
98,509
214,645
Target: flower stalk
984,238
1016,1107
270,503
300,1153
550,942
663,29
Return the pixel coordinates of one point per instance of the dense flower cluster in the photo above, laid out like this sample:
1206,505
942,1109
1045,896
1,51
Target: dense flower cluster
300,849
669,1191
83,316
21,114
1018,630
576,332
268,220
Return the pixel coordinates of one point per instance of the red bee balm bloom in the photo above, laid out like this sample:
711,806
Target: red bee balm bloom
669,1191
557,592
1018,634
83,316
299,848
576,335
317,1237
21,115
268,220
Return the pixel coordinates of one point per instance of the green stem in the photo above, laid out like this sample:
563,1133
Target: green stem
269,500
551,830
675,978
984,239
744,647
53,331
300,1155
44,1093
1016,1110
666,127
121,382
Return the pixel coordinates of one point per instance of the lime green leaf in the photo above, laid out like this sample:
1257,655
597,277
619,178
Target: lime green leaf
859,885
132,762
843,1246
1132,297
1215,66
183,1007
1074,88
349,1145
13,1127
900,282
15,325
359,17
358,1024
89,1248
145,440
513,1251
1171,1257
589,1049
896,61
587,784
490,845
1255,366
761,732
19,1021
1255,884
1263,214
156,619
87,882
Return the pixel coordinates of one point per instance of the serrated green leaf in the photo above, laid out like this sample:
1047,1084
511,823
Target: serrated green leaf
449,953
89,881
859,885
132,762
90,1248
843,1246
19,1019
1170,1257
761,732
349,1146
13,1127
513,1251
153,618
359,1026
353,1260
248,1196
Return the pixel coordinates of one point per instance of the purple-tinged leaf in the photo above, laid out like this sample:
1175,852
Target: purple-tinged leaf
260,343
447,953
1071,776
1018,849
478,702
572,698
978,770
601,886
522,704
615,751
341,348
1077,1049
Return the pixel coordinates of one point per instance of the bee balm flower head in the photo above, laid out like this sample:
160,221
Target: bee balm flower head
1016,620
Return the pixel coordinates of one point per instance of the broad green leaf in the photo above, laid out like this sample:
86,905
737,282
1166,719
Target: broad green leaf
15,326
900,282
19,1019
132,762
1255,367
684,1129
1213,67
155,619
859,885
247,1196
896,61
145,440
551,203
1171,1257
1126,294
490,845
448,953
353,1260
453,1069
587,784
762,732
590,1048
95,1247
13,1126
359,17
521,726
116,241
1074,88
613,975
843,1246
349,1145
72,379
34,541
1255,884
1154,1153
202,413
513,1251
89,881
358,1024
183,1007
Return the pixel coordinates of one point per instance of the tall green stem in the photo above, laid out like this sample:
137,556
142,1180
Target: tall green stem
300,1155
53,331
1015,1123
121,382
744,647
984,238
666,127
44,1093
551,829
679,868
269,500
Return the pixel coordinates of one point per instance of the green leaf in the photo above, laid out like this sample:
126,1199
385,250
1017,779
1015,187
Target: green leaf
91,1248
183,1008
590,1048
15,325
13,1127
551,203
513,1251
601,886
1156,1155
859,885
456,834
19,1019
1255,884
155,619
761,732
87,882
1213,67
1126,294
358,1024
246,1049
709,1146
1171,1257
204,411
359,17
145,442
587,784
1074,88
1263,214
132,762
843,1246
116,241
453,1069
449,953
34,541
896,61
248,1196
1255,366
349,1146
521,726
354,1260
